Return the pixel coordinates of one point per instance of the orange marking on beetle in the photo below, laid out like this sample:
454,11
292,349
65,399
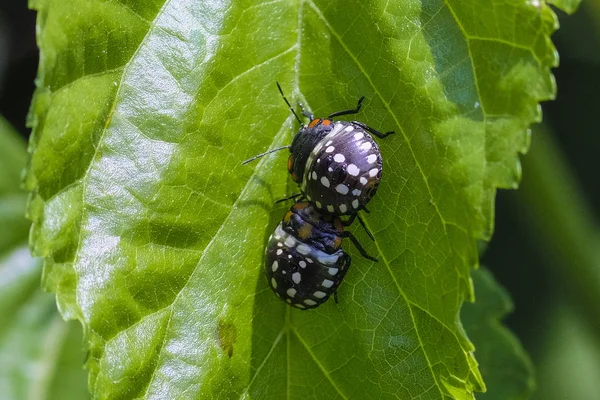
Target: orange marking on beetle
300,206
290,163
305,231
287,216
314,123
326,122
337,223
337,242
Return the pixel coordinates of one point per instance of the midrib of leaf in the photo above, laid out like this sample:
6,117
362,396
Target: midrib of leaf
102,139
85,179
382,254
387,105
262,165
319,364
277,139
289,327
86,175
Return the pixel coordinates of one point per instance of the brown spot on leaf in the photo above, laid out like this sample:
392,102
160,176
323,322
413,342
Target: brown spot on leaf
226,336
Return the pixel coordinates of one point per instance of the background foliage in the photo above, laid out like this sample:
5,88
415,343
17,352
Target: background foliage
65,281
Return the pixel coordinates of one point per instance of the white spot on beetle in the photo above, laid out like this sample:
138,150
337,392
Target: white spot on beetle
372,158
310,260
349,128
366,146
291,292
319,295
332,271
373,172
339,157
310,302
314,175
355,203
303,249
330,149
327,283
343,208
359,135
328,142
325,181
342,189
279,251
299,306
296,277
353,170
356,192
275,265
302,264
336,129
363,180
273,283
318,203
330,208
290,241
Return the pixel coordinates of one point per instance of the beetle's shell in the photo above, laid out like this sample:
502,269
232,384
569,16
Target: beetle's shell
303,276
343,170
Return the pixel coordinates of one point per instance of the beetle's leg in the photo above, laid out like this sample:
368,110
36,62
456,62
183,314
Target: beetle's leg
372,130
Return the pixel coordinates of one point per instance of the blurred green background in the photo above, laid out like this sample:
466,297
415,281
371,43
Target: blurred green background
546,246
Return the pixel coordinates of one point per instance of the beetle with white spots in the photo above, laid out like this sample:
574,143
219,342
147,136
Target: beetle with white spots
337,164
305,263
338,167
344,177
304,260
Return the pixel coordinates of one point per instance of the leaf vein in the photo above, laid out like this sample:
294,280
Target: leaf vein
385,103
316,360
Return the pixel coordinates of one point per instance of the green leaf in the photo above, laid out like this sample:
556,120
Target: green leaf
40,354
153,233
504,365
12,158
12,200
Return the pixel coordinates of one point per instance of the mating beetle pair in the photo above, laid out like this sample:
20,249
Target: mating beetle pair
338,167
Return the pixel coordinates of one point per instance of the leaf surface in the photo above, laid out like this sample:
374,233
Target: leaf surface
153,232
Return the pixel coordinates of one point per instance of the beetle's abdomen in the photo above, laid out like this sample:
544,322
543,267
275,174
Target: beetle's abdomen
302,275
343,170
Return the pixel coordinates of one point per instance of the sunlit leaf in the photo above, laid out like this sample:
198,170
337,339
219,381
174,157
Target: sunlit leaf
153,232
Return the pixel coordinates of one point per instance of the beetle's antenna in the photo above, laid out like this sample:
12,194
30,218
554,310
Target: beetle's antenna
265,153
288,103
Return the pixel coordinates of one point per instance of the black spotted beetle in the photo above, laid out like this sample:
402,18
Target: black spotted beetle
305,262
338,167
336,163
